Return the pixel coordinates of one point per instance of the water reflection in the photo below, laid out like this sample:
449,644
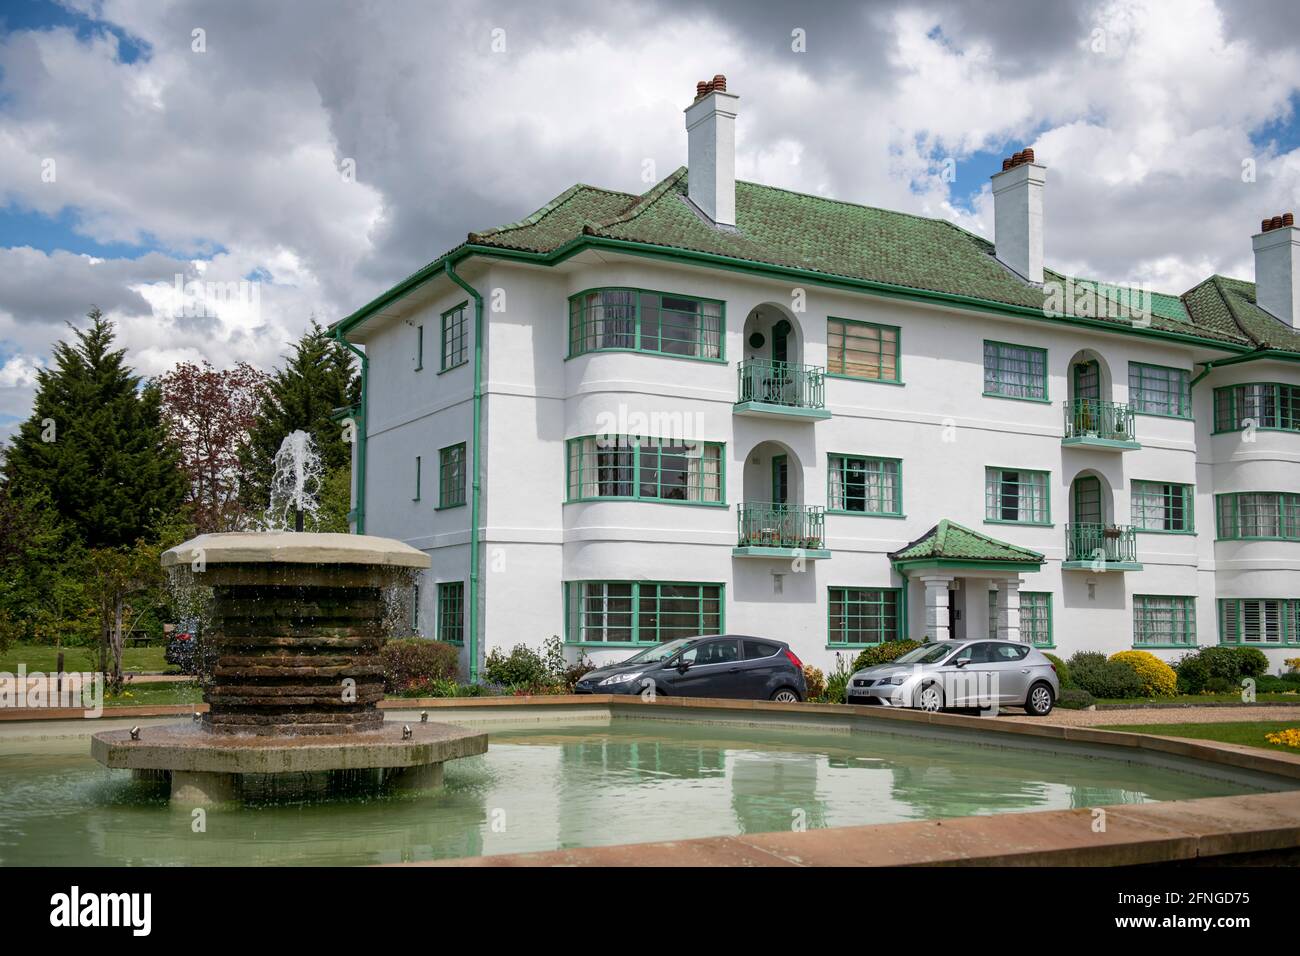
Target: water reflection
546,788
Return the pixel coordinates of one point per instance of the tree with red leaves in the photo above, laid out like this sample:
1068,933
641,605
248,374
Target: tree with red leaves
209,413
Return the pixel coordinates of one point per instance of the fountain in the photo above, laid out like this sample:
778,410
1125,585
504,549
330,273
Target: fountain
294,625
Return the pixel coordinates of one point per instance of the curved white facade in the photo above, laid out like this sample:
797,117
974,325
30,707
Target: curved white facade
938,424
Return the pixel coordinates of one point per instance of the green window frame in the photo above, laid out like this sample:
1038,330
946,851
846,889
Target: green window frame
1159,390
1163,506
455,337
451,476
640,469
1017,496
620,613
861,617
866,351
417,478
1270,406
1015,371
419,348
1164,620
451,612
641,320
1258,516
1259,622
862,485
1035,617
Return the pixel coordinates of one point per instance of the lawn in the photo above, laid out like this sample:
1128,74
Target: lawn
1234,698
1251,733
151,695
44,658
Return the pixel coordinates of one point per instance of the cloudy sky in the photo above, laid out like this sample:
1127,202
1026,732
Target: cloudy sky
321,149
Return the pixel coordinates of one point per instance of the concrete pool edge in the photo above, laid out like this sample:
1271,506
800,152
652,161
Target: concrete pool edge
1252,828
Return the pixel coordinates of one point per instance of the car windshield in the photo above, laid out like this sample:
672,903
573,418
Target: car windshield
926,654
660,652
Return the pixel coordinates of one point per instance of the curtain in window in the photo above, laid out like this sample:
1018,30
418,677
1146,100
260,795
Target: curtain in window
611,319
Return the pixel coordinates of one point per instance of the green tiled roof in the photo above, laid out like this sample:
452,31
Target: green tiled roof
952,541
841,240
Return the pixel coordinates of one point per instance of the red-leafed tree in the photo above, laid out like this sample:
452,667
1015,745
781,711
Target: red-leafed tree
209,413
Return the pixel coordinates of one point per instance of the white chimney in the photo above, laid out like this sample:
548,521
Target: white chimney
1277,268
1018,215
711,150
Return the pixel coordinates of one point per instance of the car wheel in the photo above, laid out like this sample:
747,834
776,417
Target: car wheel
1040,701
786,696
930,697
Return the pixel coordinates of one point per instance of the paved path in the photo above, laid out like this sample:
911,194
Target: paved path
1162,715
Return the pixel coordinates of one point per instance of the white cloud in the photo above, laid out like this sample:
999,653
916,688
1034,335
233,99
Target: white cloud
231,158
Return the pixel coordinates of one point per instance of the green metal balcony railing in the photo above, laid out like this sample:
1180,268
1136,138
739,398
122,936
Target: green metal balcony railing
770,525
1093,418
1114,544
780,383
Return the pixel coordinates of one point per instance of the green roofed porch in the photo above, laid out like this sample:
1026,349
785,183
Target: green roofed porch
950,559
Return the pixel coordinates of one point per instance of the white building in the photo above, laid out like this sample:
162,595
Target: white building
724,406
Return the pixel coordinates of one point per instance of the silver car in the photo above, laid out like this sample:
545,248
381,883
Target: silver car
985,674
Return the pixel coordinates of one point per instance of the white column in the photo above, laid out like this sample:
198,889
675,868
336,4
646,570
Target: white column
936,606
1009,609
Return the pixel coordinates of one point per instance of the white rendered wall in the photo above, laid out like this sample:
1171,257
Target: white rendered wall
938,423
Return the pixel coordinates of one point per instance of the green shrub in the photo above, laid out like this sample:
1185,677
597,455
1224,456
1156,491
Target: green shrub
883,653
1075,698
413,661
1221,664
1100,677
522,667
1062,671
838,679
1291,677
558,669
1221,685
1268,684
445,687
1193,671
1251,661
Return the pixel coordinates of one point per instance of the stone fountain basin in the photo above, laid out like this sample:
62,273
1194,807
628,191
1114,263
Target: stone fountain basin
191,749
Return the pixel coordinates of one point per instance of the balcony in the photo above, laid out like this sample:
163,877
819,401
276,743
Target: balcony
1092,423
768,530
1100,547
781,390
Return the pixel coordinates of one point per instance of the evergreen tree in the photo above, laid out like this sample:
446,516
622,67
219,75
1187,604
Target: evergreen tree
95,446
319,377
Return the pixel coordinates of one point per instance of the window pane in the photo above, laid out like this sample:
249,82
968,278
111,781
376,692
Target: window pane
1154,390
862,350
1015,371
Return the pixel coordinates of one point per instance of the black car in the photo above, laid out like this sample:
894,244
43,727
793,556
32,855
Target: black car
731,665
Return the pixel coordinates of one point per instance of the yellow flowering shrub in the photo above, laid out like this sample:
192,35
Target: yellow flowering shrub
1290,737
1293,663
1158,678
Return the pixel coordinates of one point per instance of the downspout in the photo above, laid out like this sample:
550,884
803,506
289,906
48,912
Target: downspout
359,432
474,464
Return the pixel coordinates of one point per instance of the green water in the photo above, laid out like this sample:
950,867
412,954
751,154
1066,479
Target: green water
572,786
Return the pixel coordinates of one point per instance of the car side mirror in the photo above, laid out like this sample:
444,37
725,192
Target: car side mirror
963,662
683,665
